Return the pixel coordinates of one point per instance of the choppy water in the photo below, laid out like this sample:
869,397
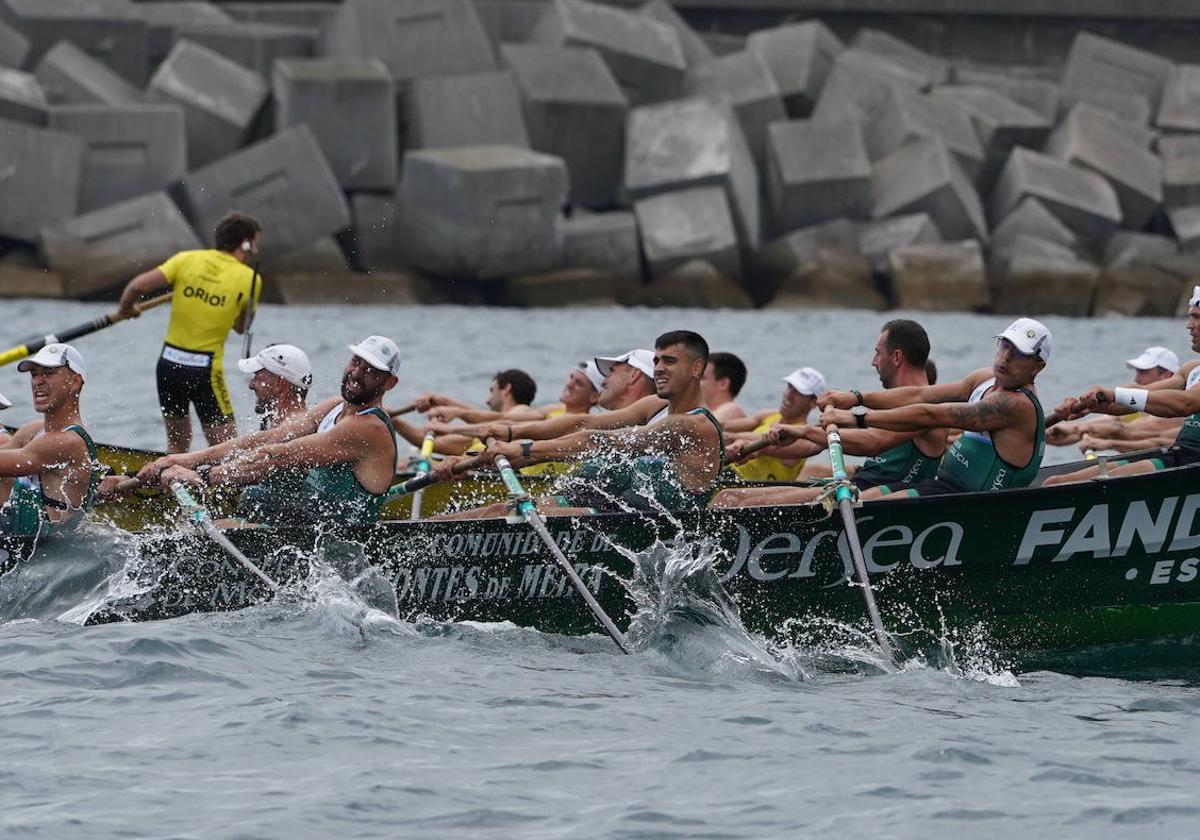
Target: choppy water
316,716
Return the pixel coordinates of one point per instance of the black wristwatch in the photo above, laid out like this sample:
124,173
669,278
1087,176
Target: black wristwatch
858,396
860,415
526,449
203,470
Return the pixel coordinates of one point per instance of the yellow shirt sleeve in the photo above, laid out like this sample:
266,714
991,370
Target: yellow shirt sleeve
174,265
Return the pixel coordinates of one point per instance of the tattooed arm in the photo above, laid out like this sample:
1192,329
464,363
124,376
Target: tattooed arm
998,410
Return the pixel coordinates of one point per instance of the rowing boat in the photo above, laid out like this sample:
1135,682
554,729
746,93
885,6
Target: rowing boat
1033,569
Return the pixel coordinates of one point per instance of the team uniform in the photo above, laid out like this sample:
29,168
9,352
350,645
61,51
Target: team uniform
1186,449
25,512
902,464
211,289
767,467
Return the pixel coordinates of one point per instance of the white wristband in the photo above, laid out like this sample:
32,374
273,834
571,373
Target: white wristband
1134,398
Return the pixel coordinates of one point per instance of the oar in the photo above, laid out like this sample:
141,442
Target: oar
527,510
400,412
422,468
251,311
32,345
204,522
844,499
423,480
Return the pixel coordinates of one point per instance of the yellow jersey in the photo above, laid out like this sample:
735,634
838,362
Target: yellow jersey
211,290
767,467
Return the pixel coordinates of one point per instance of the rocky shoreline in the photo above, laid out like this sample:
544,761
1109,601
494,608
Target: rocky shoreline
562,152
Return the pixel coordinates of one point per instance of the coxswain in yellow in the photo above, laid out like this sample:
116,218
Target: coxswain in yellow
214,291
800,391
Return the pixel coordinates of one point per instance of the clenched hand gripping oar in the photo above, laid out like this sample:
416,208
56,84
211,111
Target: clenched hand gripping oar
419,482
422,467
525,510
203,521
845,503
32,345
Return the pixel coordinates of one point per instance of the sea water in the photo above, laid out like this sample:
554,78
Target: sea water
318,716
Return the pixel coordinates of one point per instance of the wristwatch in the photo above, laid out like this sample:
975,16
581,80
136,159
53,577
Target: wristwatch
860,415
527,449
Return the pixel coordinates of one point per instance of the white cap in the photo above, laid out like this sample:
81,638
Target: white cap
379,352
808,381
55,355
1029,337
1194,300
643,360
593,374
5,402
1155,357
286,361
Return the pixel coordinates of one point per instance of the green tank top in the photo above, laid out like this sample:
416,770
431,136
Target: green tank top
904,463
1189,432
336,490
25,512
972,462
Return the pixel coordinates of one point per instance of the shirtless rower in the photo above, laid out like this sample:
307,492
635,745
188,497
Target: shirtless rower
48,468
900,358
722,382
801,388
1003,425
509,396
1133,431
1177,396
636,457
345,446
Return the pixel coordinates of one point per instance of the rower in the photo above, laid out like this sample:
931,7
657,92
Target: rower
1129,432
1003,426
214,291
1176,396
722,382
345,446
627,460
509,397
5,402
800,391
901,359
48,468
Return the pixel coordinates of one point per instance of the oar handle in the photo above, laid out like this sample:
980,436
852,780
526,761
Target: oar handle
128,484
37,342
420,482
400,412
144,306
755,446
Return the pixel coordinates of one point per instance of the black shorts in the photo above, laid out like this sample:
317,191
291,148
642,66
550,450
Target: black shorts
181,386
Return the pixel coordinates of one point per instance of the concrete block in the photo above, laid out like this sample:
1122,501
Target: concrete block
39,178
1127,248
1090,115
1142,276
255,46
575,110
692,142
606,242
1020,84
482,212
1036,275
644,55
685,225
876,240
21,281
1181,170
284,182
695,50
564,287
313,14
481,109
1098,63
350,106
929,68
768,267
922,177
948,276
1180,106
323,256
129,150
1031,218
800,56
859,85
391,287
14,47
376,226
1000,123
220,99
742,81
509,21
110,31
724,43
907,116
1130,108
99,251
1134,172
1082,200
696,283
1185,221
21,97
414,38
830,278
163,17
68,75
816,172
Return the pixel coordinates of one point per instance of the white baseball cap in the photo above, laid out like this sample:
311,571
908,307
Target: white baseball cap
1030,337
55,355
286,361
1194,300
1155,357
5,402
643,360
808,381
593,374
379,352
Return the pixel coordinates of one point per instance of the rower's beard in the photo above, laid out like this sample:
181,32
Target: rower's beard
362,395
